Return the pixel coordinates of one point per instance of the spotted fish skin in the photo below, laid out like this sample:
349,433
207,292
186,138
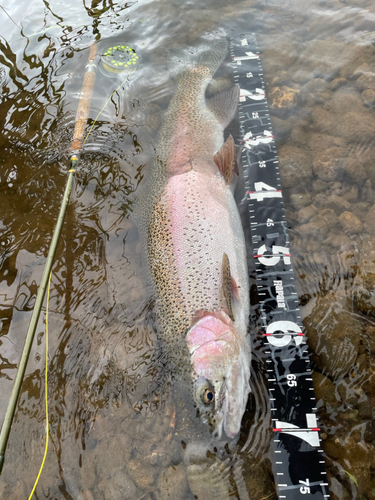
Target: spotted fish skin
189,221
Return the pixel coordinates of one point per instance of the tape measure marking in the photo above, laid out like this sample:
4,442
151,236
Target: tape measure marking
299,468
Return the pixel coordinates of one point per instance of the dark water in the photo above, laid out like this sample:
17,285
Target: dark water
114,433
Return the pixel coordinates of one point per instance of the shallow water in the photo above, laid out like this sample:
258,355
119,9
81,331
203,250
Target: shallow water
114,433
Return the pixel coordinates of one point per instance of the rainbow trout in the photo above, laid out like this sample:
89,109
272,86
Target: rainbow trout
195,243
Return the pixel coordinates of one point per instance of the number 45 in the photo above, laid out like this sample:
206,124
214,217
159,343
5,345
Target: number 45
304,489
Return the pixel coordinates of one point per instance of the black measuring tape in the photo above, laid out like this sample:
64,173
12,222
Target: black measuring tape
299,466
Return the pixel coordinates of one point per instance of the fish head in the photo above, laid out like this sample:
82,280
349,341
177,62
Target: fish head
220,360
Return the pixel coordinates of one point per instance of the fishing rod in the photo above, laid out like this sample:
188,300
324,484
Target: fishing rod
115,60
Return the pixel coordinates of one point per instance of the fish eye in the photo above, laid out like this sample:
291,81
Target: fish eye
208,396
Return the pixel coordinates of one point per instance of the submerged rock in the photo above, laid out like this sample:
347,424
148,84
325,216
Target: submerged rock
328,164
350,223
333,333
173,484
282,101
295,166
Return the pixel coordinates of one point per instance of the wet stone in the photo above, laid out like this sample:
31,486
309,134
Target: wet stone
324,121
354,169
336,83
85,495
333,333
369,338
367,192
295,166
350,223
347,393
370,221
366,81
337,490
357,125
328,165
119,486
278,55
331,448
172,483
320,186
321,223
281,128
351,195
282,101
306,213
345,100
368,97
143,476
321,142
337,203
315,92
324,389
300,200
301,76
366,409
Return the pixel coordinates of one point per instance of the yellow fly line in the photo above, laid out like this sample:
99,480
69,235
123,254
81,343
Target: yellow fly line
47,306
45,390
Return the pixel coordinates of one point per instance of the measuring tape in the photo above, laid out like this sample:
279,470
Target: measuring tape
299,466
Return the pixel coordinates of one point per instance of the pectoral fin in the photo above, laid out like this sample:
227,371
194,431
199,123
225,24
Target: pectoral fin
226,160
230,289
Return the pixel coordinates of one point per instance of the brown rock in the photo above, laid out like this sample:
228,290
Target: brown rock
337,490
295,166
350,223
143,476
357,126
306,213
321,224
337,83
331,448
366,81
278,55
324,141
281,128
315,91
328,164
324,389
172,483
345,100
119,486
370,221
337,203
368,97
282,101
324,121
363,68
369,338
354,169
333,333
300,200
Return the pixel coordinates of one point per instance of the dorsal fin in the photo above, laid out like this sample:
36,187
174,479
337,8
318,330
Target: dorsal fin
225,160
227,285
224,105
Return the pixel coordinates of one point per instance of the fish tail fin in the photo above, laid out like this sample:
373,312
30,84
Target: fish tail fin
210,55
